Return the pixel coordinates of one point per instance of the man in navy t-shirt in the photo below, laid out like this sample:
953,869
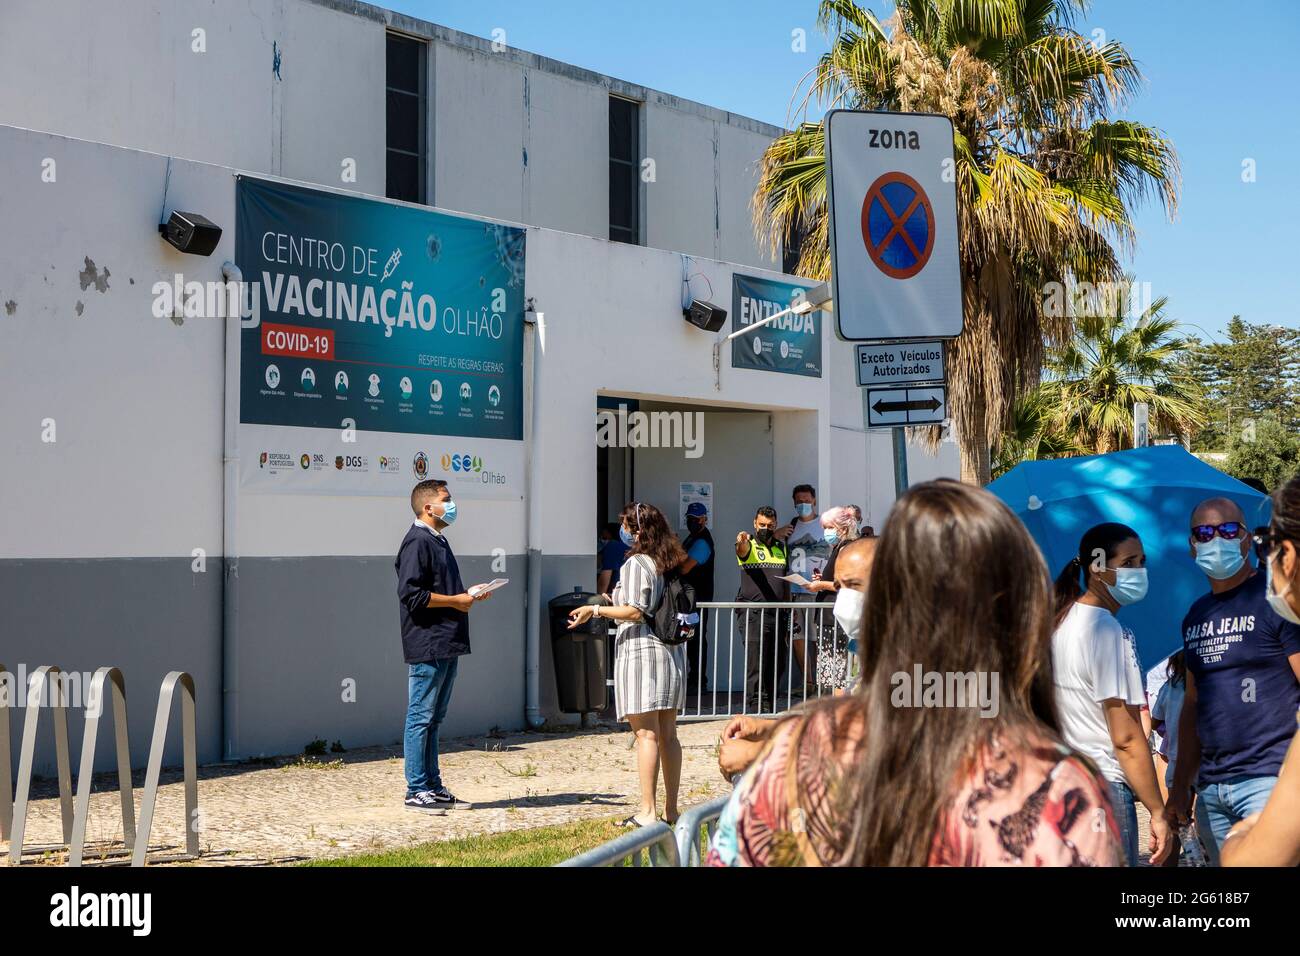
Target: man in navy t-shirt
1243,680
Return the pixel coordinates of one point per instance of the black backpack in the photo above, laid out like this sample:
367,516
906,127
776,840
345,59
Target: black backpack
675,620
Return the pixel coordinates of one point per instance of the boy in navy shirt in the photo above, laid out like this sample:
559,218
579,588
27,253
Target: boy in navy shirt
1243,681
434,610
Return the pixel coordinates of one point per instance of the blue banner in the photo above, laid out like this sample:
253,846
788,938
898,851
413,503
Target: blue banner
403,320
792,344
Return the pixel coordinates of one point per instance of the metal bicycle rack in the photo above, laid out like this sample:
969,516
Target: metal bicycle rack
41,678
13,819
81,811
190,747
6,769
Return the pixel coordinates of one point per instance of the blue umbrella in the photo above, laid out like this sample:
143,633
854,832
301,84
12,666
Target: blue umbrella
1152,490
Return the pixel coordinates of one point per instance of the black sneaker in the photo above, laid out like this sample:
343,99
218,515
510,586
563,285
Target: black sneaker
426,802
442,797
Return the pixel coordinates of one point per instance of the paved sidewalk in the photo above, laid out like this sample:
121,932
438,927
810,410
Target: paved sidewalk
297,808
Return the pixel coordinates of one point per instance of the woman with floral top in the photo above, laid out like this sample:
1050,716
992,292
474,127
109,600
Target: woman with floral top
948,753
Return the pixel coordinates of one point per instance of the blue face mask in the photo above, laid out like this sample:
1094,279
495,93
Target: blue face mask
1130,585
831,536
448,512
1219,557
625,536
803,508
1278,602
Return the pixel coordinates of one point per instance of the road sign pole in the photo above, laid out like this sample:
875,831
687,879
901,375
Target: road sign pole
899,437
900,461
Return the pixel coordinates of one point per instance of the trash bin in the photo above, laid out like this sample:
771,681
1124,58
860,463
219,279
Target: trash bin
581,655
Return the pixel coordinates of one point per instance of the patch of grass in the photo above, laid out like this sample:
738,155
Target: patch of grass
527,770
538,846
313,763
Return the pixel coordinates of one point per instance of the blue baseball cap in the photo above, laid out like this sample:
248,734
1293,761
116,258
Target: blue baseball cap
697,509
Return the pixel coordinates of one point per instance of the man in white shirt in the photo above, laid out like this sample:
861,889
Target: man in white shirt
805,541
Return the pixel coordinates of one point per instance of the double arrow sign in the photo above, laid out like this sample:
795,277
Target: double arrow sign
931,404
894,407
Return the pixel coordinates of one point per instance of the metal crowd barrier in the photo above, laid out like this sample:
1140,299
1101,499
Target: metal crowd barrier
13,818
695,829
752,643
685,844
658,838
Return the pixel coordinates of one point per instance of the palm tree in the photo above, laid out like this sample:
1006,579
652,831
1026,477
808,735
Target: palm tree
1046,181
1033,435
1091,384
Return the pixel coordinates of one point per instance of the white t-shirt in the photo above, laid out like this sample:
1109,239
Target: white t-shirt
1094,658
808,550
1156,678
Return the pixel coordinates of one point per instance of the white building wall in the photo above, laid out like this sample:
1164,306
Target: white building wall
512,135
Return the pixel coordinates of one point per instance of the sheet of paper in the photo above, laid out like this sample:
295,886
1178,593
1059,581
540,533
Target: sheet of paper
798,579
492,585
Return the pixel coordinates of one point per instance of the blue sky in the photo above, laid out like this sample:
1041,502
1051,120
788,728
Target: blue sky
1222,85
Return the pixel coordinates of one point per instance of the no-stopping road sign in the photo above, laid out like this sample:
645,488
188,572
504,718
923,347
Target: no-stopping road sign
893,205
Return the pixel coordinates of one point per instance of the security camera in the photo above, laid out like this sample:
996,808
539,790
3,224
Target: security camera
705,315
190,232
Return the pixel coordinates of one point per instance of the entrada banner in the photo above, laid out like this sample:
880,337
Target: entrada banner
385,345
791,344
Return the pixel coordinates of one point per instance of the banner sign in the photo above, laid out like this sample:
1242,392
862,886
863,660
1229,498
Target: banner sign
792,344
383,339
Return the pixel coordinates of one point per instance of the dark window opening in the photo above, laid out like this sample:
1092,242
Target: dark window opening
624,170
793,247
406,132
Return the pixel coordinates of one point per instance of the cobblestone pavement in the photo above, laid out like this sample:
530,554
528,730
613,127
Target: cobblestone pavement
287,809
296,808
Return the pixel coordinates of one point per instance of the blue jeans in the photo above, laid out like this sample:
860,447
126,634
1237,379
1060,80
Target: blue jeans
1223,804
1125,807
427,696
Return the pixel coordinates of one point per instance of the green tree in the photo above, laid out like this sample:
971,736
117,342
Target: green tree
1047,178
1084,405
1092,382
1253,376
1265,450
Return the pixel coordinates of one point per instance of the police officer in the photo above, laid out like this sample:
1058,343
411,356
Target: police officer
763,561
698,571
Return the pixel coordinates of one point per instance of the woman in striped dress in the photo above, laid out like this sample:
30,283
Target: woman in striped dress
649,676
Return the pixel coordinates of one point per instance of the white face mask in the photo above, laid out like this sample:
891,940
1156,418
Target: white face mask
1278,602
849,605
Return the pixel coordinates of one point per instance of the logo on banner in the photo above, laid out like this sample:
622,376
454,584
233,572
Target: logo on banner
305,461
459,463
272,376
341,382
898,225
494,396
421,466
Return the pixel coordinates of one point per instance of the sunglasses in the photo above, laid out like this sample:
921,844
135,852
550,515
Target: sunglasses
1229,530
